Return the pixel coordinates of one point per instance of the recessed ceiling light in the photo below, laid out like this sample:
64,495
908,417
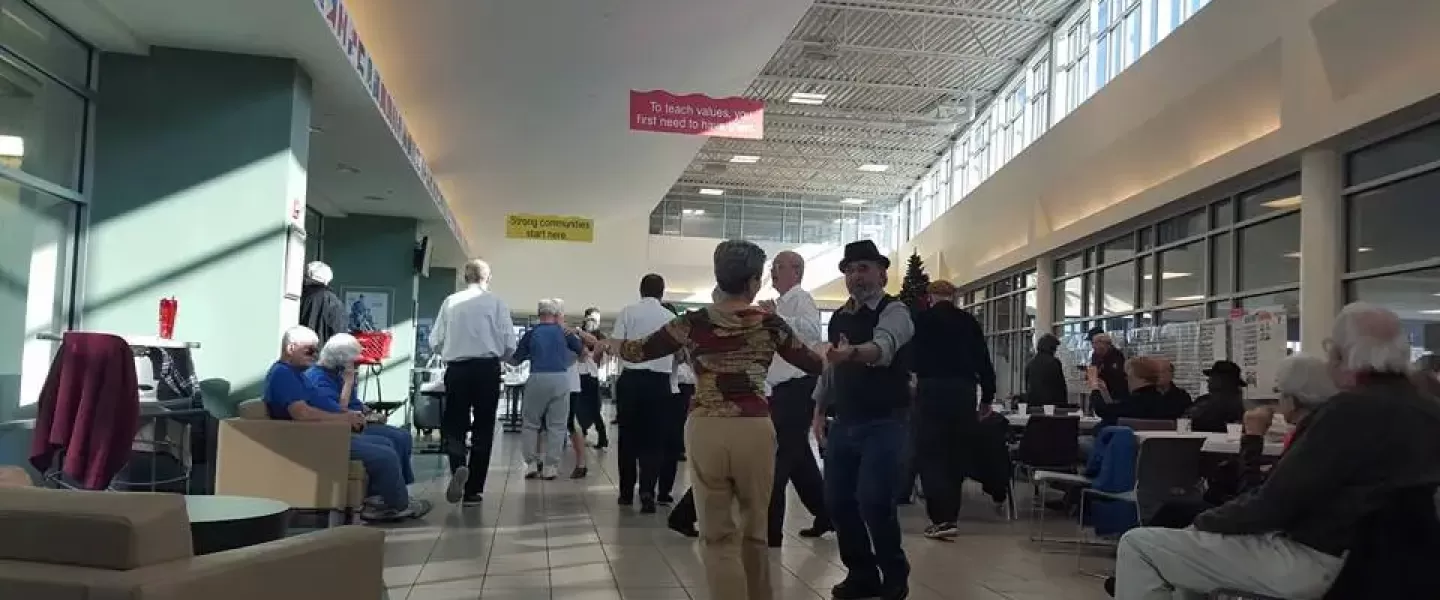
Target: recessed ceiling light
1363,249
744,159
874,168
1167,275
12,146
693,211
1187,298
854,201
809,98
1292,255
711,192
1278,203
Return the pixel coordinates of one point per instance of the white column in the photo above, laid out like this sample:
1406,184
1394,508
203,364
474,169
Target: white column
1044,295
1322,250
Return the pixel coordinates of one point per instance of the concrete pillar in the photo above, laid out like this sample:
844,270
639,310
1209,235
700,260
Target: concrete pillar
1322,250
200,178
1044,295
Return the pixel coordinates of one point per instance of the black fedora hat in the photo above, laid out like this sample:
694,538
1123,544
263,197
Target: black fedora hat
863,250
1227,369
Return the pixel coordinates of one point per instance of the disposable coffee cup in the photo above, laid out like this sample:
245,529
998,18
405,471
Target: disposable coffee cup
1022,408
1182,425
1049,410
1232,431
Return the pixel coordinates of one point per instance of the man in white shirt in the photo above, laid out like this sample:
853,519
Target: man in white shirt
639,393
792,403
473,334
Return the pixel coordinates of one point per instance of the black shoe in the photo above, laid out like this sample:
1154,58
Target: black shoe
1110,585
896,592
647,504
579,473
851,590
664,500
816,530
470,499
626,500
685,529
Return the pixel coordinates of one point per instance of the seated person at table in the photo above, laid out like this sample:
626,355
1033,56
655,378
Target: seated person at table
292,394
1286,539
1225,401
1166,383
1144,400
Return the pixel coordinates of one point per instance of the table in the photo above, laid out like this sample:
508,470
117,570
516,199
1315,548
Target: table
1017,420
220,523
1215,443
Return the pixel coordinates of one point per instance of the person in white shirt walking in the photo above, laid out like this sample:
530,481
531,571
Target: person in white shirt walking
792,403
473,334
641,391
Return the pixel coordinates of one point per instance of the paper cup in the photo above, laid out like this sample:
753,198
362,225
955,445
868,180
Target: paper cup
1022,408
1049,410
1233,430
1182,425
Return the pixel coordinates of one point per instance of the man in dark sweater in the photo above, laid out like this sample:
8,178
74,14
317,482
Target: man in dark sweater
950,361
1286,539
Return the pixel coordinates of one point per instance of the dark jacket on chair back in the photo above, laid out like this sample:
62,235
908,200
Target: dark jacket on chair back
89,409
864,392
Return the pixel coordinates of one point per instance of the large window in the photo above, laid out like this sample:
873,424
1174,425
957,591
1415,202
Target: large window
1271,252
1005,308
765,220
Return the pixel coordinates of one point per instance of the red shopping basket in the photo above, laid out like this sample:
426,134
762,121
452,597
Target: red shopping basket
374,346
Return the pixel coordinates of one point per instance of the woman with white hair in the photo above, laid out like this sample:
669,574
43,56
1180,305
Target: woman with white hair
334,379
551,351
320,309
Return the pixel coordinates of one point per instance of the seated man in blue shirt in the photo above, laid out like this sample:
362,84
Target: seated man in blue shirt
291,394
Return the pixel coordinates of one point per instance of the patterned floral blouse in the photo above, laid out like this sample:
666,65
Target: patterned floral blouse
731,354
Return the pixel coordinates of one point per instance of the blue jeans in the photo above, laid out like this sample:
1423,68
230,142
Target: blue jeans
385,452
864,462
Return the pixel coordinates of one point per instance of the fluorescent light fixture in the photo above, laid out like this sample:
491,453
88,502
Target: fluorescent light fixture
693,211
809,98
1364,249
849,221
711,192
1433,311
1168,275
1187,298
744,159
12,146
1280,203
854,201
874,168
1292,255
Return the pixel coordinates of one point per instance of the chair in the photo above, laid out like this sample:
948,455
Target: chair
1166,469
1147,424
1047,453
305,465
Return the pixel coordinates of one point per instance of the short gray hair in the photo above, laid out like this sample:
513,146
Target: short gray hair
1305,379
340,350
1369,338
736,263
319,272
477,271
299,335
551,306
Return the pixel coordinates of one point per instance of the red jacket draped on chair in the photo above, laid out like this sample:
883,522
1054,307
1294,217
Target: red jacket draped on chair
89,409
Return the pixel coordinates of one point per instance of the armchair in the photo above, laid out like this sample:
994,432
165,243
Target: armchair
305,465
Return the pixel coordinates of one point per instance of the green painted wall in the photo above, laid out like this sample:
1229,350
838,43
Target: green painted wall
433,290
196,156
371,254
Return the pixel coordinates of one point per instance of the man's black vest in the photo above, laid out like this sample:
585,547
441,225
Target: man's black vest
862,392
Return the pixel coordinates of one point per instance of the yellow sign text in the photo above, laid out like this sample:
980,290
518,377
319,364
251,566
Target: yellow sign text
550,228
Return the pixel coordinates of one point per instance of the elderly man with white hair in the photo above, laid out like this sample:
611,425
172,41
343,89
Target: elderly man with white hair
292,393
1287,538
552,351
320,309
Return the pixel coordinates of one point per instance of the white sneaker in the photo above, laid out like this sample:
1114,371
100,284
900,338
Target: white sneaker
549,473
532,471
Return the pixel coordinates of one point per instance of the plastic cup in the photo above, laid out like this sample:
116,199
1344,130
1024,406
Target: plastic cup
1049,410
1022,408
1182,425
1232,431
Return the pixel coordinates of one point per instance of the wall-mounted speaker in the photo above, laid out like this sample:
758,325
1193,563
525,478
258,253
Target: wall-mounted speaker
420,259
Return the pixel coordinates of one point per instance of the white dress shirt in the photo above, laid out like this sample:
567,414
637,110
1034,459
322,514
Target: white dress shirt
639,320
473,323
798,309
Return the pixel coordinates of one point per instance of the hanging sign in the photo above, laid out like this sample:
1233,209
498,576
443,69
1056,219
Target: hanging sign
697,114
550,228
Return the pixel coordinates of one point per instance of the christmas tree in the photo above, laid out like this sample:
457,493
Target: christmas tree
913,290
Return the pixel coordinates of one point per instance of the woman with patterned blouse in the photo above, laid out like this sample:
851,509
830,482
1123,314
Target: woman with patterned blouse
729,436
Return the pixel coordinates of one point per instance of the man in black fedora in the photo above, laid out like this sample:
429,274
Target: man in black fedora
867,384
1223,401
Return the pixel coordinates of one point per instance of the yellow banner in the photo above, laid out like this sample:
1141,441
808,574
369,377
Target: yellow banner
550,228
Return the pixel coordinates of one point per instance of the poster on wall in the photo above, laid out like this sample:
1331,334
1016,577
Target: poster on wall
550,228
1258,345
422,340
369,308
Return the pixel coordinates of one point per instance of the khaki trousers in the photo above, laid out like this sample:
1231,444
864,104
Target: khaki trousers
732,459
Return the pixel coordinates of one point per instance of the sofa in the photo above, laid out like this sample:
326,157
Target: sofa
305,465
82,545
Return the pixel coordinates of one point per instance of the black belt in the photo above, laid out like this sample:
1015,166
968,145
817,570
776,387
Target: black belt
472,359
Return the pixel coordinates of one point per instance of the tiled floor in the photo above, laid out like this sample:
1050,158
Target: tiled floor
568,540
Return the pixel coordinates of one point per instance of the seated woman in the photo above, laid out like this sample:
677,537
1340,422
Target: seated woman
296,388
1145,400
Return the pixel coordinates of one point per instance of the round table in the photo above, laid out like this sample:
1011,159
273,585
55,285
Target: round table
220,523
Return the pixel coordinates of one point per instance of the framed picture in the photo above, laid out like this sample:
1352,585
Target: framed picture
368,308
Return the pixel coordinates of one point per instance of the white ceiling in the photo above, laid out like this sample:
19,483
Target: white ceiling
522,106
348,128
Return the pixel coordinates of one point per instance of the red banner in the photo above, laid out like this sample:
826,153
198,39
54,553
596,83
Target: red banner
697,114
